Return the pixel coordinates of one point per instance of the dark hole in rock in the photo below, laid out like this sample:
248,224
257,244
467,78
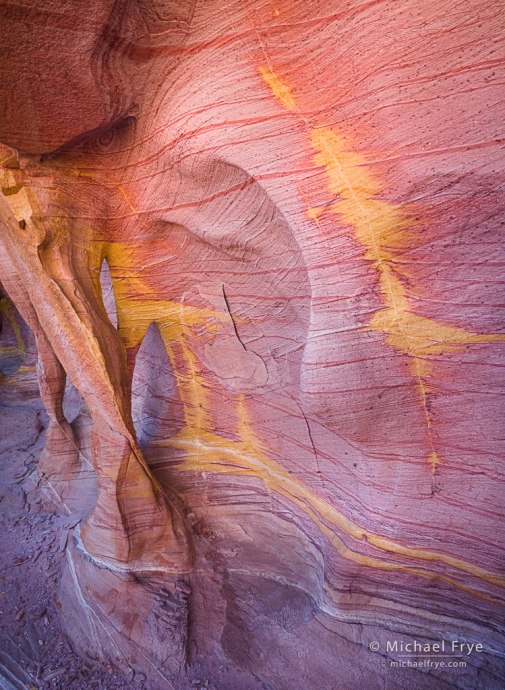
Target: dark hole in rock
13,337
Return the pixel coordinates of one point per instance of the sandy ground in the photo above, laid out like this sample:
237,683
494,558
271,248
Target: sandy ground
35,652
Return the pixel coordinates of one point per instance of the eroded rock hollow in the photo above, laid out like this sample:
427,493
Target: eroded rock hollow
251,258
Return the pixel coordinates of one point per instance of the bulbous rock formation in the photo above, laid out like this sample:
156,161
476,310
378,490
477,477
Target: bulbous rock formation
258,246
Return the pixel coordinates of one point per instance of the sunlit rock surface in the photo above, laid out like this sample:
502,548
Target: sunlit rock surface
259,248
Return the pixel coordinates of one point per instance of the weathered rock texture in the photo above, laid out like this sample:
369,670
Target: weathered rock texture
263,241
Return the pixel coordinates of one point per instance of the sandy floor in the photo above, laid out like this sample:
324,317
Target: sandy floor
34,650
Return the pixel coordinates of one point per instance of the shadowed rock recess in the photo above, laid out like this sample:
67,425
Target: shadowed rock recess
252,345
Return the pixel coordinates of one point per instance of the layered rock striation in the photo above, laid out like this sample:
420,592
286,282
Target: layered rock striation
259,248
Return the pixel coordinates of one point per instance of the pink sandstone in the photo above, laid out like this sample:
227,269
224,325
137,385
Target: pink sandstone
259,247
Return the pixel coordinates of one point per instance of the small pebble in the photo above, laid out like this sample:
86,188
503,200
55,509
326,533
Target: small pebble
55,674
39,612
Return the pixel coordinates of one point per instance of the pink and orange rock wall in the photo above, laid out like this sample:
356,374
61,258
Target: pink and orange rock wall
264,241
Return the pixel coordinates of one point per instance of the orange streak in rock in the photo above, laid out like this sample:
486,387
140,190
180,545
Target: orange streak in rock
209,452
379,226
280,90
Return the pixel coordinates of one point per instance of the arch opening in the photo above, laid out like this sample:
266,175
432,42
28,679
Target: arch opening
109,300
153,383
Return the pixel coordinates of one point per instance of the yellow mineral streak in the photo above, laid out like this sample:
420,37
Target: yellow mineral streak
21,199
375,223
280,90
208,452
136,310
380,226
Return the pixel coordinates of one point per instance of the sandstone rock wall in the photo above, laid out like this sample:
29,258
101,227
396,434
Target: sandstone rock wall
259,247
